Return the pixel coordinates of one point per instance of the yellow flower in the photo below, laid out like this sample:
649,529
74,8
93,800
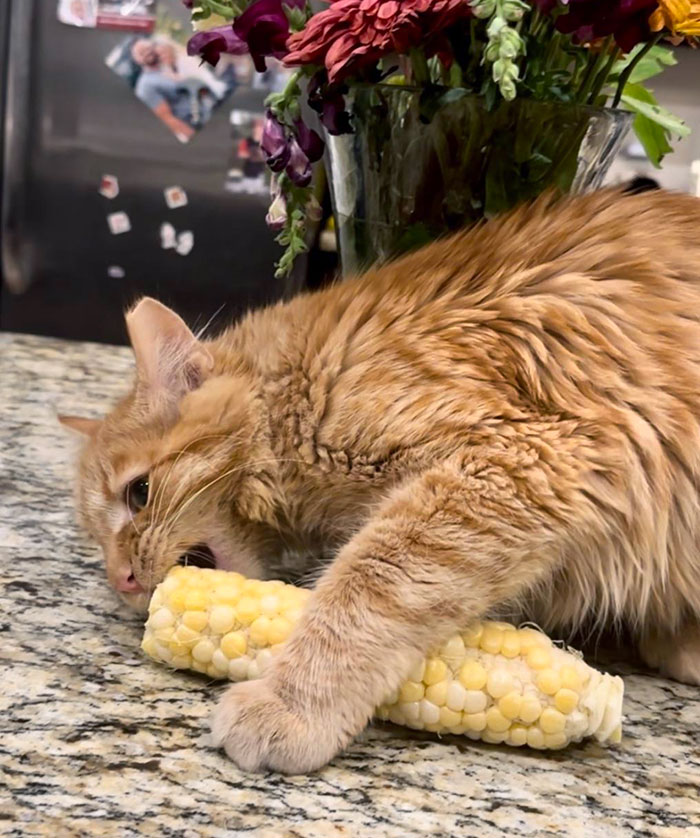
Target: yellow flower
681,17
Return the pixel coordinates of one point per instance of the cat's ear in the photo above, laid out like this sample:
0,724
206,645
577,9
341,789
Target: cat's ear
169,359
86,427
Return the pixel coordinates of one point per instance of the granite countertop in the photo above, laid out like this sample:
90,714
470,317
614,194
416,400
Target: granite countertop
97,740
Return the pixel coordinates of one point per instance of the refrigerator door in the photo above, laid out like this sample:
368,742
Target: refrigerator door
70,120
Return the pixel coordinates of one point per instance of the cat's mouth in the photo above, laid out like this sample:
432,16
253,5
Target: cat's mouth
201,555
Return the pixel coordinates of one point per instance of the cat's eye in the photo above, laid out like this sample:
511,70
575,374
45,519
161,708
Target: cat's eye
136,493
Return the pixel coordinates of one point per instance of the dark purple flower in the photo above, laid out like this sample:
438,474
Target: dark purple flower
265,28
328,101
210,44
298,167
274,143
589,20
310,142
276,217
188,3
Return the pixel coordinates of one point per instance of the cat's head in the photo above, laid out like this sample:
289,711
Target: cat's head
180,469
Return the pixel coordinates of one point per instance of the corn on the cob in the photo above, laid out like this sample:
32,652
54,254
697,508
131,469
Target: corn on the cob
492,682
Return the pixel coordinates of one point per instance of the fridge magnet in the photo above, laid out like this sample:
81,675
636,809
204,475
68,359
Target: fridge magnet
185,242
116,272
177,88
132,15
109,186
175,197
168,236
118,223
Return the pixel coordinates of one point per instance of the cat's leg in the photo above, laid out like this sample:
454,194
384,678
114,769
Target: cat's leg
441,551
676,655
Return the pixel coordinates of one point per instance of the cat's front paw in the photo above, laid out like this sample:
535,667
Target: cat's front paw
259,731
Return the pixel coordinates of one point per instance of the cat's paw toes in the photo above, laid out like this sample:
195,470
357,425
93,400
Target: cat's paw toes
259,731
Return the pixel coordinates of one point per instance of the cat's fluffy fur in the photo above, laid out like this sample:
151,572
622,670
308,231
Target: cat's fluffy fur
507,418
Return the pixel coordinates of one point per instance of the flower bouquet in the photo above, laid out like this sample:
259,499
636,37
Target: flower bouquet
437,113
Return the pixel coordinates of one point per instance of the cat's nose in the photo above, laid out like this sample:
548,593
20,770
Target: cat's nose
126,583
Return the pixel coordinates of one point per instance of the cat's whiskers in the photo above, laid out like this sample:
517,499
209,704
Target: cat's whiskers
160,493
188,500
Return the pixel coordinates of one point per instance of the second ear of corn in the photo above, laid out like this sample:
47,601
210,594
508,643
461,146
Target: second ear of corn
492,682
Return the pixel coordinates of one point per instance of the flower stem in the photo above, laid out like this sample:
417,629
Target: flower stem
629,69
602,77
594,69
419,64
223,9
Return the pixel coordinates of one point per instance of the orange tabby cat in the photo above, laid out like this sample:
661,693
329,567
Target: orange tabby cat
507,418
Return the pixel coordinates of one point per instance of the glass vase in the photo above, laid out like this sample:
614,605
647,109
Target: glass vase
419,165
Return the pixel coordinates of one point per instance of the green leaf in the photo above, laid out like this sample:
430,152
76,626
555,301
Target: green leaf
642,101
654,139
654,62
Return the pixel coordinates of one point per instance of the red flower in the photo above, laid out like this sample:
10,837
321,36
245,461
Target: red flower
351,34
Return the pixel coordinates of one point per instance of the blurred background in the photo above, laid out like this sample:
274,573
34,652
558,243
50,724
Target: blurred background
109,193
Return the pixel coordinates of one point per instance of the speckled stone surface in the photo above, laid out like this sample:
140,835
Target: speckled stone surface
96,740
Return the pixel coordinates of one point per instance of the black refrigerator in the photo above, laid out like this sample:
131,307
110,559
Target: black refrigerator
187,222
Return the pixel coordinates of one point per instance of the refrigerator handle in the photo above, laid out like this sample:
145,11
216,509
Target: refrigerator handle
16,141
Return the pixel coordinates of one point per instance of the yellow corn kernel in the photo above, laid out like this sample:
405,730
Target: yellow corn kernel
535,738
474,721
510,646
220,661
499,682
456,695
530,709
570,679
532,639
222,618
472,636
203,651
238,668
491,639
259,631
552,721
181,661
475,701
517,735
196,600
429,712
186,635
269,605
495,737
473,675
199,667
566,701
453,650
247,610
234,644
449,718
195,620
176,601
539,658
226,594
417,671
554,741
161,619
437,693
411,691
496,721
435,670
548,681
510,704
279,630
